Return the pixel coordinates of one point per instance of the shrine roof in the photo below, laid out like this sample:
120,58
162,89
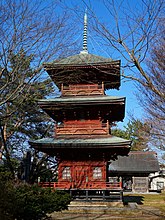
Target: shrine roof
136,162
104,142
83,99
80,59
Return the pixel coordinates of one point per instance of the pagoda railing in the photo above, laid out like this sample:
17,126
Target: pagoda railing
88,185
82,89
84,128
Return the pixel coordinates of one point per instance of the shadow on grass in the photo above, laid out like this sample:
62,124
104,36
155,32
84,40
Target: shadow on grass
133,199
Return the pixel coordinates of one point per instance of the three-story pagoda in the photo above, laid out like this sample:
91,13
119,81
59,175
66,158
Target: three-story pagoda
82,142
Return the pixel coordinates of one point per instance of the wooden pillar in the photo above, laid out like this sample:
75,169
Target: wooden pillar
120,181
103,195
86,193
70,193
62,88
133,184
121,195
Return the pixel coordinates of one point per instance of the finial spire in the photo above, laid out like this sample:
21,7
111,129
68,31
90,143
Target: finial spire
85,49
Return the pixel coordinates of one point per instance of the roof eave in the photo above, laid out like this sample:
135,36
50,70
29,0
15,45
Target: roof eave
51,66
125,144
80,101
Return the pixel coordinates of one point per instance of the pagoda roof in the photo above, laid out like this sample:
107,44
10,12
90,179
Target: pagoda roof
83,68
86,142
105,104
83,145
81,59
83,100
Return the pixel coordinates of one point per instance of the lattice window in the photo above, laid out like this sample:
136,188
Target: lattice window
97,173
66,173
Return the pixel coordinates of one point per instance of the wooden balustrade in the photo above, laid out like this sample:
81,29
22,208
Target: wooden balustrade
55,185
85,89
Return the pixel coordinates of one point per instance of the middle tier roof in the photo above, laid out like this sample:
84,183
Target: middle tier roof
110,108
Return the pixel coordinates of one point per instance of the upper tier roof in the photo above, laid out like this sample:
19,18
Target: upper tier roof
85,68
80,59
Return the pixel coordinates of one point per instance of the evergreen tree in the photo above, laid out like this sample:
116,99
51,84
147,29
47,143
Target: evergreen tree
136,131
21,118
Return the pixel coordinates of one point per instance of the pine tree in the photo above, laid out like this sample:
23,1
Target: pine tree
137,132
21,118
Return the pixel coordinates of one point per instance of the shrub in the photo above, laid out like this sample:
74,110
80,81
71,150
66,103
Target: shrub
29,202
6,195
35,202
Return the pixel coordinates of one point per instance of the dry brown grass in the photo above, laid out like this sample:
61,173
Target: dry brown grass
145,207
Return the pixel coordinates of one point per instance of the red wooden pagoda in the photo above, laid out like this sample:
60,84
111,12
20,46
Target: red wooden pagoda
82,143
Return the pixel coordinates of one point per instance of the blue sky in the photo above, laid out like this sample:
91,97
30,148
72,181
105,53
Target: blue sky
132,107
95,46
127,88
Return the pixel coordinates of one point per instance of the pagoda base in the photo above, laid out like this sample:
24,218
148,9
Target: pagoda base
93,195
98,206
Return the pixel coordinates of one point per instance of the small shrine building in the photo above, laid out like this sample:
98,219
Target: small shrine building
82,143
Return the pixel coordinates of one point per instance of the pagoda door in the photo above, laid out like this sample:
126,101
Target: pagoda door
80,178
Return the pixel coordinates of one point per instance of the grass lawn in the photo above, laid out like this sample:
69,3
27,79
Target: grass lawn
136,207
150,200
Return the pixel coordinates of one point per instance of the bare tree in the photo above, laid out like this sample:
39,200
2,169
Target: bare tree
31,32
153,103
131,29
39,29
